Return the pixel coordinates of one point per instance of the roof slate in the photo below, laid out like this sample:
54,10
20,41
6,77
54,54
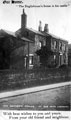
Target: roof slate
8,32
2,31
32,30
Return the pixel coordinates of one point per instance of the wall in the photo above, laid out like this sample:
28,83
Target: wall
17,54
10,80
5,50
28,34
48,42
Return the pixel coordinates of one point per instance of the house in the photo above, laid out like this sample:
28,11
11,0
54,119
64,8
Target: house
45,49
28,48
69,54
37,40
12,50
60,49
5,48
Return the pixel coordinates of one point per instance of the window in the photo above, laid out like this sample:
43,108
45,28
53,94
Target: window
66,48
40,44
54,57
55,44
63,47
60,46
30,59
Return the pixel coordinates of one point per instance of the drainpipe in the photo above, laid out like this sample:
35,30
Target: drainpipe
28,54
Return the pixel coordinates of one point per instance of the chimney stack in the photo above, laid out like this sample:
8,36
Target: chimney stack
46,28
40,26
23,19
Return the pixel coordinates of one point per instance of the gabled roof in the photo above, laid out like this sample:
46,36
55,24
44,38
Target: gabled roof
2,31
54,36
35,31
58,37
42,33
30,29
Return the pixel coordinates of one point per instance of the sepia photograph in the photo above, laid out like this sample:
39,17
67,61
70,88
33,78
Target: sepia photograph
35,56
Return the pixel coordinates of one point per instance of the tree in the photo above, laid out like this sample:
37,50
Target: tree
44,54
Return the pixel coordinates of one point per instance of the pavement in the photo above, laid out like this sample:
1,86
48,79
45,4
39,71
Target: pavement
32,90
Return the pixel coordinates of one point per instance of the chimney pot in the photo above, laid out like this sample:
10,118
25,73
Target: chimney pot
40,26
23,10
46,28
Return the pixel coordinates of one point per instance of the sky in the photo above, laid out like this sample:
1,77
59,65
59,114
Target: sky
47,11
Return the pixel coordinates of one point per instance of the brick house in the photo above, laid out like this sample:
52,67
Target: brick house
37,40
52,44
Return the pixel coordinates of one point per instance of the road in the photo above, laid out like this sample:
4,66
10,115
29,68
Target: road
52,99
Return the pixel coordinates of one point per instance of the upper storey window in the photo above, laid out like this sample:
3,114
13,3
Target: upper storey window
60,45
55,44
63,47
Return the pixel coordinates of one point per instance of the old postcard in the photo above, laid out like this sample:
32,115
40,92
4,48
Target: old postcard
35,59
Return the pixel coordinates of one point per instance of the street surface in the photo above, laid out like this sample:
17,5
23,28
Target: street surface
52,99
